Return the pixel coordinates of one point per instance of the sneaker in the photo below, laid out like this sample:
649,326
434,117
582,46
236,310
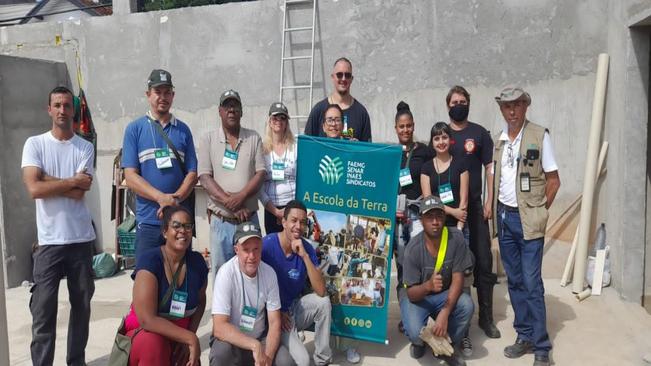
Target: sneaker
416,351
466,347
518,349
541,360
352,355
454,360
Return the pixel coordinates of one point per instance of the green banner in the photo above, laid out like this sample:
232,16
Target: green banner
350,191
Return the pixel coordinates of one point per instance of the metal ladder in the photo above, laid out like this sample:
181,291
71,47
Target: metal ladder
291,58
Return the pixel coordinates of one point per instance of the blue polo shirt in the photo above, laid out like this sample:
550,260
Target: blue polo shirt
290,271
141,140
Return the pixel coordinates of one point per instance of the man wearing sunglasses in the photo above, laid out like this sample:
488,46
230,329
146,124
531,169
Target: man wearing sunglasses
526,182
356,121
231,169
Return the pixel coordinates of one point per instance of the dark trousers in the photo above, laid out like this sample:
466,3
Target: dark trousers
522,261
480,246
148,236
271,224
51,263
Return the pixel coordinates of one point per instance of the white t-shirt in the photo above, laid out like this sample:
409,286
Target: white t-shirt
280,192
227,293
508,180
59,219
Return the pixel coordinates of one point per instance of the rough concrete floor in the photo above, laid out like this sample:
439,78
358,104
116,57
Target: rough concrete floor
601,330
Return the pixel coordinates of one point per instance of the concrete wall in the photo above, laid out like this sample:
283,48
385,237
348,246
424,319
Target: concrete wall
411,50
21,115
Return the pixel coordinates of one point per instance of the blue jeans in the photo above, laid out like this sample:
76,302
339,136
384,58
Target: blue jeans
522,260
414,315
148,236
221,241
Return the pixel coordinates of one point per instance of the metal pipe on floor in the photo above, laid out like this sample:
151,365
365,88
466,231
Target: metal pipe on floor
590,175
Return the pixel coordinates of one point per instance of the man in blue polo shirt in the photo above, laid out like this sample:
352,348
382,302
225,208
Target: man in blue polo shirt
151,168
294,259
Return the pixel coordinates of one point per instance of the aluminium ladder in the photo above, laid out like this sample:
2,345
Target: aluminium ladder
286,32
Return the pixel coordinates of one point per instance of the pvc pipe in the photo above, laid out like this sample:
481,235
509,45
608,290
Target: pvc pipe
590,175
569,264
583,294
4,338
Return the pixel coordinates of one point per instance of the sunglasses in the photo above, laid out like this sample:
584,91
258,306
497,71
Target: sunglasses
177,226
340,75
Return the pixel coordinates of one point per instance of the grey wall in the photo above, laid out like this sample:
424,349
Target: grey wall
411,50
21,116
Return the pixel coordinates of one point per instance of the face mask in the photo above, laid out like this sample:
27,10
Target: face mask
459,112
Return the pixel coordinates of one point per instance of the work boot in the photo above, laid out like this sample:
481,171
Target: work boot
518,349
485,300
454,360
416,351
541,360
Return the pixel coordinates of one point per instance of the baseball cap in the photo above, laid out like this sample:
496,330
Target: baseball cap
431,203
278,108
245,231
229,94
512,93
159,77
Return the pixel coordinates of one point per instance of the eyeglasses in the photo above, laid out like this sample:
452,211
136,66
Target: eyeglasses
340,75
510,156
178,226
333,120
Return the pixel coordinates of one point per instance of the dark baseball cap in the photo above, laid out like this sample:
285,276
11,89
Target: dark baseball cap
229,94
278,108
246,231
159,77
431,203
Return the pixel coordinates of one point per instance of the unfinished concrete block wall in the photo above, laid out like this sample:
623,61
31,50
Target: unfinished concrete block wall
411,50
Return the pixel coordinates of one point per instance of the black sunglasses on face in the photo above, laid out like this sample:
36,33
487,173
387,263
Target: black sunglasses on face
340,75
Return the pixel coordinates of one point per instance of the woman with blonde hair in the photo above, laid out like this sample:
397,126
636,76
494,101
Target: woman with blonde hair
279,187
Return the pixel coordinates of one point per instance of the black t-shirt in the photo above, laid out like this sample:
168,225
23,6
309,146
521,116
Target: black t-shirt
474,145
355,118
419,155
419,264
451,175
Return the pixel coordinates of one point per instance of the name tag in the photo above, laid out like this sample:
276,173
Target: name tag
405,177
163,159
524,182
177,307
247,320
230,160
446,194
278,171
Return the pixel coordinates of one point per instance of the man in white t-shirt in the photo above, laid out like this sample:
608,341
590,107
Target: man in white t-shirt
245,300
58,171
526,182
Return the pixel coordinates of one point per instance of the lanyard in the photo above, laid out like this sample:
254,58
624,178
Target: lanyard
257,288
151,120
273,153
410,152
439,175
443,247
228,145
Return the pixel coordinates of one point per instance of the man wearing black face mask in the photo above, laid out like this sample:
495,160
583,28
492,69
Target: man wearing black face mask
473,143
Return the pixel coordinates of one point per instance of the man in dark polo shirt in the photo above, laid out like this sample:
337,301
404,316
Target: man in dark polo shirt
357,123
433,269
472,143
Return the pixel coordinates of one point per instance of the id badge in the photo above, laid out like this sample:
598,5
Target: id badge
163,159
177,307
524,182
247,320
405,177
446,194
230,160
278,171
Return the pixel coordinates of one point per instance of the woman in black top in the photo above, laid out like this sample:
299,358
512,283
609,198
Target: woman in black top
446,177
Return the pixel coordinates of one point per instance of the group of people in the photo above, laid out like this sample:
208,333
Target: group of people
258,303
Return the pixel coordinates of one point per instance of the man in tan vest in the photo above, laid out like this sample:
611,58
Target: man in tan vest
526,182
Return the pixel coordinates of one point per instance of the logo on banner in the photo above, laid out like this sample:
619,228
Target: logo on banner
331,170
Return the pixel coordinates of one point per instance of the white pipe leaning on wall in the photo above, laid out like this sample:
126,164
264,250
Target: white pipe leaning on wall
569,264
4,339
590,175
